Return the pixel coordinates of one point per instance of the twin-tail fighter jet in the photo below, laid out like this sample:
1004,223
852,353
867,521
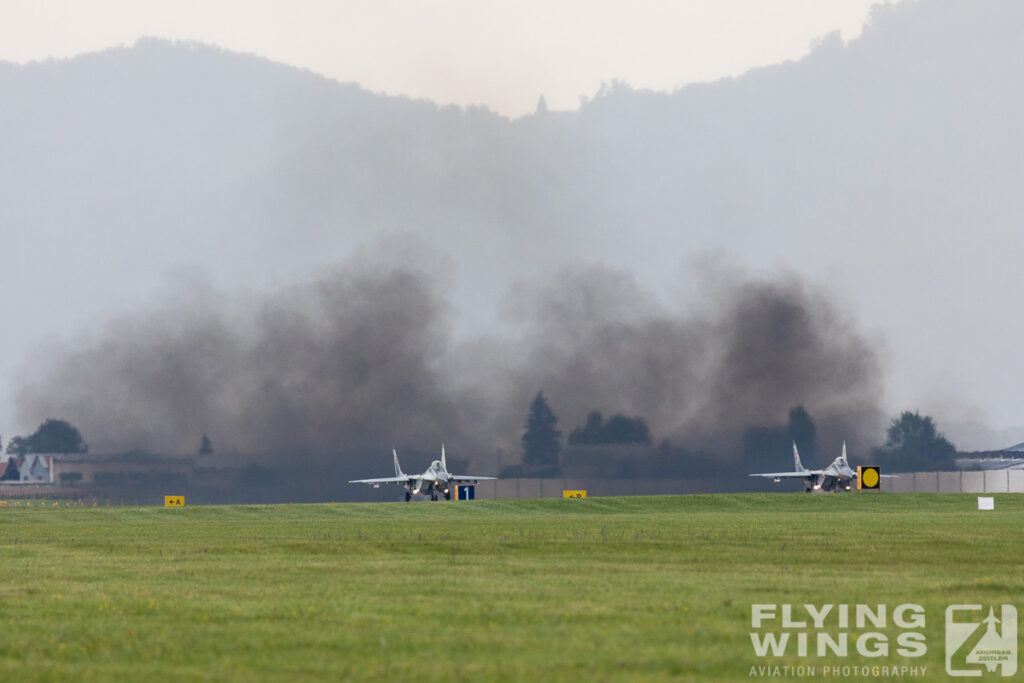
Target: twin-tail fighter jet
436,481
838,476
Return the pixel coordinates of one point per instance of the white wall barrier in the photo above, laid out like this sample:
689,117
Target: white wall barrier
997,481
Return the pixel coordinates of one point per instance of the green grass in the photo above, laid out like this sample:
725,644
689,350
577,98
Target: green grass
604,588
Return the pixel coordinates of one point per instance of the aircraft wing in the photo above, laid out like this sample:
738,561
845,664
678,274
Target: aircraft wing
467,477
790,475
382,480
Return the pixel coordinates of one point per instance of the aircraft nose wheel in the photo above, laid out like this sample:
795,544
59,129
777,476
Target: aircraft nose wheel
408,496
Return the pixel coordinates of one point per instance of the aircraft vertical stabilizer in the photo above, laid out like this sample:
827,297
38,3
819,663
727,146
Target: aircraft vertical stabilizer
398,468
796,459
444,465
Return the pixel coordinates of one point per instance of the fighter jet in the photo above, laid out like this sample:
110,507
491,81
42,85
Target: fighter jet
838,476
435,482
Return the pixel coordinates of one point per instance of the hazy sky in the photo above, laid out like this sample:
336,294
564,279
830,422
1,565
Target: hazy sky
878,144
500,53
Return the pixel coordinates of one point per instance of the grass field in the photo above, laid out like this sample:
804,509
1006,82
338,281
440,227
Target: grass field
603,588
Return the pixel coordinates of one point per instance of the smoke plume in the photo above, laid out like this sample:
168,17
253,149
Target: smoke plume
363,358
750,350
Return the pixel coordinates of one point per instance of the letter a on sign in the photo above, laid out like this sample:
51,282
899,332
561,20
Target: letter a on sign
174,501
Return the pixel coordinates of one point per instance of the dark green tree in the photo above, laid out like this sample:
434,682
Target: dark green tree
17,446
590,432
53,436
619,429
205,445
765,446
914,443
541,440
622,429
12,473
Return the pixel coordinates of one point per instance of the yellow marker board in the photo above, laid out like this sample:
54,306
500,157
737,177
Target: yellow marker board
174,501
867,477
574,494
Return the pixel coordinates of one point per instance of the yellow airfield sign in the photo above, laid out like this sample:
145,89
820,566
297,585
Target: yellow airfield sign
174,501
579,493
868,477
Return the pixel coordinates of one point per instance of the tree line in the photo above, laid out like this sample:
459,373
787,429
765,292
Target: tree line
913,441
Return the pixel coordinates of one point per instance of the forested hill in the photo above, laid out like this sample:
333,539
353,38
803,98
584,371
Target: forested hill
888,166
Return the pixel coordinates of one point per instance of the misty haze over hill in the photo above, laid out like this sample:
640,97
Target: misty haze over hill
180,193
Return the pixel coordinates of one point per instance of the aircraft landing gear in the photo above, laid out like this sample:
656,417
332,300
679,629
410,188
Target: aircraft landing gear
433,496
408,496
448,494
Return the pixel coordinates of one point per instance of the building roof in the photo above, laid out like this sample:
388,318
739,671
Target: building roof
990,460
36,467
